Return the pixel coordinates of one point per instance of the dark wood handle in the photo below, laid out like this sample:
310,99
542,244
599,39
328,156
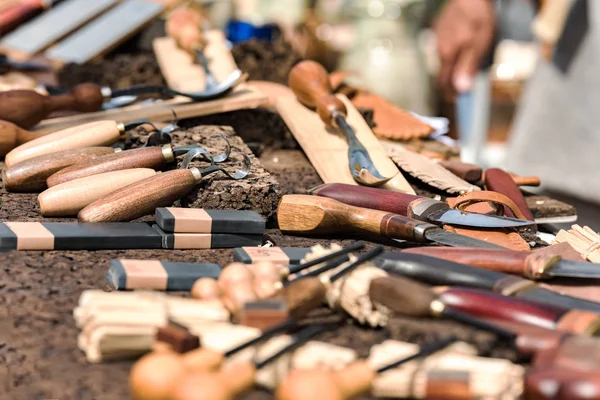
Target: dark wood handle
367,197
495,306
26,108
302,296
469,172
507,261
11,136
402,295
310,83
501,182
148,157
532,339
30,175
184,25
140,198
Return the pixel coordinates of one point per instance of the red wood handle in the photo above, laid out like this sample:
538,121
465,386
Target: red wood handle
367,197
500,181
13,16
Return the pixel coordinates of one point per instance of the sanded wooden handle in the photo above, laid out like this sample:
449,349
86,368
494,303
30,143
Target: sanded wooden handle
310,83
355,379
26,107
202,359
30,175
148,157
501,182
140,198
184,25
238,377
100,133
68,198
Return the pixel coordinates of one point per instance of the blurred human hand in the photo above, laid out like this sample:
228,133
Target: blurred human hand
464,31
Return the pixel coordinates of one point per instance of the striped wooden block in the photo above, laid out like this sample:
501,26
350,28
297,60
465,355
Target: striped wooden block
277,255
207,240
158,275
197,220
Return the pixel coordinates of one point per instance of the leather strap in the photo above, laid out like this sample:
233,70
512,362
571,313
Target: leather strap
463,201
509,240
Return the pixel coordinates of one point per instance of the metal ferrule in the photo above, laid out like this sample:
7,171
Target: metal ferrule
167,152
437,308
334,117
106,92
419,231
420,209
122,131
196,173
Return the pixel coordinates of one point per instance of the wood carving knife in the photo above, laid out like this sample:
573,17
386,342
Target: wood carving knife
313,215
417,207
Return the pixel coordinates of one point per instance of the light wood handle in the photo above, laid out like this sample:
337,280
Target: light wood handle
140,198
237,294
68,198
184,25
310,83
202,359
100,133
30,175
26,107
11,136
238,377
354,380
147,157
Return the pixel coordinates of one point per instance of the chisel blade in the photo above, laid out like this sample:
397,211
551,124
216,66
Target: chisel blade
574,269
455,240
457,217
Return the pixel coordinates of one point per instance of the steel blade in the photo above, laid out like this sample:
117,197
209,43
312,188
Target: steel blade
118,102
574,269
455,240
457,217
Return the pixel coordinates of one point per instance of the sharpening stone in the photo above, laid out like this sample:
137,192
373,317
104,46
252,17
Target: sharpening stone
207,240
277,255
198,220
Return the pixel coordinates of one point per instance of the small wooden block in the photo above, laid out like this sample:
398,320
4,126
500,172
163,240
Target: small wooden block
206,240
263,314
198,220
78,236
178,337
181,70
327,149
277,255
158,275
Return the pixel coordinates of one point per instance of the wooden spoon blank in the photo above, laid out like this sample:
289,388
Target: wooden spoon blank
30,175
68,198
147,157
140,198
100,133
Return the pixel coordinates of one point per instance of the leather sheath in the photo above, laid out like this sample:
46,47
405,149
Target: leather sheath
479,202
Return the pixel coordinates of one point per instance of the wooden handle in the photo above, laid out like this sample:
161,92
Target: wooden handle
532,339
68,198
100,133
184,25
320,215
26,107
11,17
355,379
238,377
495,306
206,289
367,197
401,295
302,296
11,136
507,261
140,198
305,383
237,294
31,175
147,157
469,172
552,382
501,182
310,83
202,359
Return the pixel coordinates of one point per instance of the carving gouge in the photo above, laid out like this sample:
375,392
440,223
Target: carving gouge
310,83
532,265
417,207
12,136
302,214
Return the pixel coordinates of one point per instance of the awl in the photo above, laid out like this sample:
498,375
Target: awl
303,214
533,265
417,207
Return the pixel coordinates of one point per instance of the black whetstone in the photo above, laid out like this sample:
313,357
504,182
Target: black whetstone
259,191
8,240
217,240
209,221
292,255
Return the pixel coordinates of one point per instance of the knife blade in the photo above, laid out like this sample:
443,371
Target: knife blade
436,271
417,207
311,215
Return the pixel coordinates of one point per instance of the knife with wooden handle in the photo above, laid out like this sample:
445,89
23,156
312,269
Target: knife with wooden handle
300,214
30,175
26,108
417,207
99,133
68,198
147,157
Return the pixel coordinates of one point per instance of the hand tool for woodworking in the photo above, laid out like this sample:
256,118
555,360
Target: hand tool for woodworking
310,83
99,133
347,383
235,379
441,272
532,265
161,190
12,136
494,306
417,207
301,214
116,102
157,158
